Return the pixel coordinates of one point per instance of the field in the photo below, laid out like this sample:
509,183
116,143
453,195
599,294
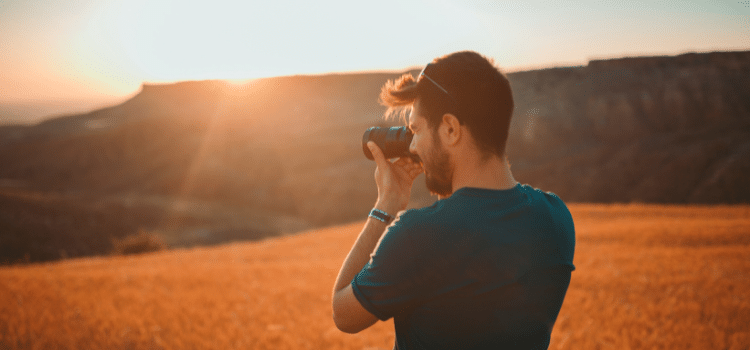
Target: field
647,277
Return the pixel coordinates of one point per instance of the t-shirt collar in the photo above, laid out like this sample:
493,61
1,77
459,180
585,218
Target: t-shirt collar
486,192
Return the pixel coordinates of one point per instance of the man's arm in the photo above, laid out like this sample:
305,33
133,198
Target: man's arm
394,182
348,314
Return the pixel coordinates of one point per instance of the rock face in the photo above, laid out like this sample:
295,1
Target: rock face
650,129
283,154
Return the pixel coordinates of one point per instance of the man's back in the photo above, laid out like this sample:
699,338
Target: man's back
480,269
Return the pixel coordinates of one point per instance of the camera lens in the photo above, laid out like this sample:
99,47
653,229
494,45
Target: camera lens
393,141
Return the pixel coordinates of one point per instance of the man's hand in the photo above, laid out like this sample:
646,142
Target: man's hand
394,180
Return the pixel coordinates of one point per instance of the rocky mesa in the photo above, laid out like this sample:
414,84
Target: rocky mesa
209,161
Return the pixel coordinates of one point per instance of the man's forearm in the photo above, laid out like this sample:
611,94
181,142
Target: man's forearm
368,239
359,255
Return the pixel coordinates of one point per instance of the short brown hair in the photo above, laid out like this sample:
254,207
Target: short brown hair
478,94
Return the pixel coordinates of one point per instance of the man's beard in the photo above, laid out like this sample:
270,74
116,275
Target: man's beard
437,170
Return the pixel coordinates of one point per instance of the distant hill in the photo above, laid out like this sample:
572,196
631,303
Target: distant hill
283,154
34,111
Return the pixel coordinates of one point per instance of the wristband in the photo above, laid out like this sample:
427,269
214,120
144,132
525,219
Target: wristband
381,215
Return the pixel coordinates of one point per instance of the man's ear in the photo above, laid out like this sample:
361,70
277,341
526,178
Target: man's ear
450,130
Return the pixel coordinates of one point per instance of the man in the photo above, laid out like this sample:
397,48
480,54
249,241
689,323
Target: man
487,265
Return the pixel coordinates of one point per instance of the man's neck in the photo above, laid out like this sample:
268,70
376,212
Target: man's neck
492,173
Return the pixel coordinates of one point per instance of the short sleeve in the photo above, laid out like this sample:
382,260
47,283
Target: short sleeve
394,279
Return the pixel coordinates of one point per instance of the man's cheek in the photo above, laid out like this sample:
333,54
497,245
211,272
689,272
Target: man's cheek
414,146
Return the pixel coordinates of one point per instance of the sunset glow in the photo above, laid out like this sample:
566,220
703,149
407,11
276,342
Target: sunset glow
181,174
108,48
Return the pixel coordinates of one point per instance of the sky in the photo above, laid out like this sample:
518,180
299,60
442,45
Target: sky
56,50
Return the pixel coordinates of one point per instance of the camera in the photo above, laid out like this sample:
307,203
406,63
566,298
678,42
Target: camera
393,141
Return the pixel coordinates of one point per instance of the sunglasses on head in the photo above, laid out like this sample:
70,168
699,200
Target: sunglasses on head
423,74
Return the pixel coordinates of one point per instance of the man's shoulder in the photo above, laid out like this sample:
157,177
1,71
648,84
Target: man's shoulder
544,202
422,217
550,196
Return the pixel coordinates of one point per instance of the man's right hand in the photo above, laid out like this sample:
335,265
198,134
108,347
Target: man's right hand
394,180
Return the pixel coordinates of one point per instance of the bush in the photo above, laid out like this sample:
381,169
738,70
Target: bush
141,242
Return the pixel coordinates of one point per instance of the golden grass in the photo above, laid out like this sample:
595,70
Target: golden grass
647,277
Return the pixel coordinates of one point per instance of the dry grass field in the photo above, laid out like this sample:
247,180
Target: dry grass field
647,277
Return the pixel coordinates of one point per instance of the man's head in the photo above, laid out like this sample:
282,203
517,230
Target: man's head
456,99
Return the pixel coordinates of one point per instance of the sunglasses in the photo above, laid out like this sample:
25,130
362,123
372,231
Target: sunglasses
423,74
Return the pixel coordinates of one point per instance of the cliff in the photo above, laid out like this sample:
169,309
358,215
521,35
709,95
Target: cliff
649,129
194,159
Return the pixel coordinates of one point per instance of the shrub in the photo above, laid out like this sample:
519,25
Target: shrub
142,242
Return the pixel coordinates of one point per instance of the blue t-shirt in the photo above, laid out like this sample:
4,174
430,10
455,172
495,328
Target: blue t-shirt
481,269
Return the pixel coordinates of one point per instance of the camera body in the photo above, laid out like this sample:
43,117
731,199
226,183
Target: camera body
393,141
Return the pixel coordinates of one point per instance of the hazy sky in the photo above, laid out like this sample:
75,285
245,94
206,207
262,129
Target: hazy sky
72,49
